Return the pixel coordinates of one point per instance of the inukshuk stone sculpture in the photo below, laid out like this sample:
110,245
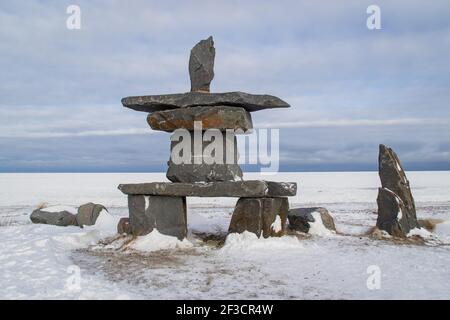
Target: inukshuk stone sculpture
262,206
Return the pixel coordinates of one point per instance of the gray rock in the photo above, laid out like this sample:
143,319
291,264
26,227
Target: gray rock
217,117
327,219
250,102
124,226
61,218
396,207
192,173
201,65
249,188
299,218
262,216
214,166
390,212
88,213
166,214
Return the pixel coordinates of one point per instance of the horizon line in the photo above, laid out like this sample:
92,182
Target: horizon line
263,173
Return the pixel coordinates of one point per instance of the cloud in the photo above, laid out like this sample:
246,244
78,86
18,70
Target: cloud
353,123
350,88
87,133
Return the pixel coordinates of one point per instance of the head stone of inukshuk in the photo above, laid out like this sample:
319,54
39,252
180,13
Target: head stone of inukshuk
201,65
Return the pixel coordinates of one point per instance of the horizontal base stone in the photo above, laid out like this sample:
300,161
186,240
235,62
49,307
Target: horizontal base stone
218,117
166,214
263,216
250,102
249,188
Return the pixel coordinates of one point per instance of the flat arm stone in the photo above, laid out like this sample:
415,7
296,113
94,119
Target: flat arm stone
250,102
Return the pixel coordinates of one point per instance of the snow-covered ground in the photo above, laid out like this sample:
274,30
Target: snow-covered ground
45,262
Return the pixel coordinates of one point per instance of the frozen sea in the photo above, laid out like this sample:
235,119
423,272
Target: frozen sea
44,262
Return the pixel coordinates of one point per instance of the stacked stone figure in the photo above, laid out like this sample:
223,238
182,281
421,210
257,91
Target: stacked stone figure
263,205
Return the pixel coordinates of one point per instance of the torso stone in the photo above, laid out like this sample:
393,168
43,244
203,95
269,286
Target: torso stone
216,117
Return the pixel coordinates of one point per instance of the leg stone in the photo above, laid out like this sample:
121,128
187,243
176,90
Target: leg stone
262,216
166,214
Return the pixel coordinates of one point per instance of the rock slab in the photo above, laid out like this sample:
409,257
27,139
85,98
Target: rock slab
263,216
250,102
166,214
61,218
88,213
396,207
201,65
300,218
217,117
249,189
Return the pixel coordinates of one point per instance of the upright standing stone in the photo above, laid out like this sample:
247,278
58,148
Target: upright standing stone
263,216
201,65
166,214
396,208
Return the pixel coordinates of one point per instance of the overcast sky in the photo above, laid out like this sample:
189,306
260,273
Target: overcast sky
350,88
